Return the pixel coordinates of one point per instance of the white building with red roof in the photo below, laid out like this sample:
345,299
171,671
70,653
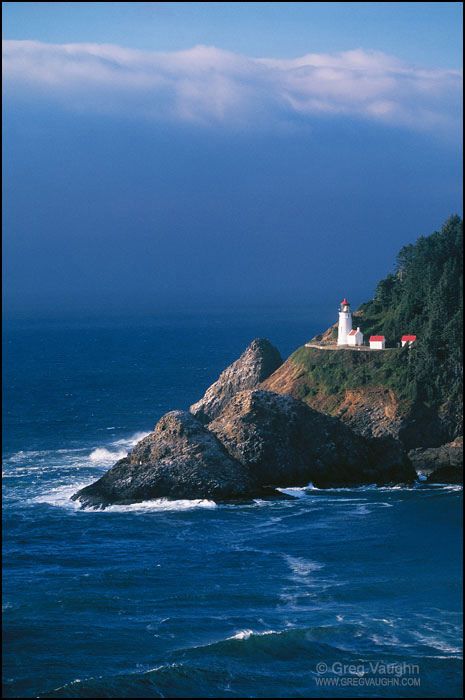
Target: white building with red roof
408,339
377,342
355,337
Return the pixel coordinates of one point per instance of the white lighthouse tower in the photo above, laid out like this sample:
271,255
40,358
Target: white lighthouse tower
345,322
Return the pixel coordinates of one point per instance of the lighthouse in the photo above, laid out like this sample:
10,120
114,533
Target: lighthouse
345,322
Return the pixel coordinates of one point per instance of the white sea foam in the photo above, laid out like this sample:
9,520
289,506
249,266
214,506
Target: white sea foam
302,568
103,456
362,510
61,497
132,440
246,634
106,455
385,620
72,457
438,644
298,491
450,487
385,640
162,504
25,455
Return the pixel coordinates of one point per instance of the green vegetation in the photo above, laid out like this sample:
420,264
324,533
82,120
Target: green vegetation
331,372
424,297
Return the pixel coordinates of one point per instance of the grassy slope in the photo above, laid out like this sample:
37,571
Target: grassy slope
327,373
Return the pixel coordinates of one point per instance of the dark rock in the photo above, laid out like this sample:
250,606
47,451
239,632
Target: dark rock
286,443
179,459
391,460
447,475
442,464
261,440
257,363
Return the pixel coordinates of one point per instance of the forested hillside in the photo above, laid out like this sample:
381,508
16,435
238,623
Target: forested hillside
413,393
424,296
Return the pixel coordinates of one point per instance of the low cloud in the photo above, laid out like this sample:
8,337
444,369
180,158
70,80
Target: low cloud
206,85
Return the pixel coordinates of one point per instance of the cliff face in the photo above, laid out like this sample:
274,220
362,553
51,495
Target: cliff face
365,390
285,443
258,361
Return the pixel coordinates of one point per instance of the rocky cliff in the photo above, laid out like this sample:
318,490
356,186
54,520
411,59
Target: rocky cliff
283,442
258,440
366,391
255,364
179,459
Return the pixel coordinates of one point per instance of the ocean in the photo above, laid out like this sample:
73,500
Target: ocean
336,593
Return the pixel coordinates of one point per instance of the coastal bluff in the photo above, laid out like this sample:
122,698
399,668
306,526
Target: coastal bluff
367,391
241,442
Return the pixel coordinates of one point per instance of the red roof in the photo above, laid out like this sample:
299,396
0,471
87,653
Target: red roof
344,302
377,337
408,338
352,332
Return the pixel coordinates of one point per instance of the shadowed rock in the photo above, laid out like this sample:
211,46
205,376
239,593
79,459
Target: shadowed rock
442,464
179,459
286,443
257,363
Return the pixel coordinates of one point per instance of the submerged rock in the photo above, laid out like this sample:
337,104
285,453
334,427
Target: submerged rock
179,459
286,443
255,364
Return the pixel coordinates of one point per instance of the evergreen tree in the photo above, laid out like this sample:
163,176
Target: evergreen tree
424,296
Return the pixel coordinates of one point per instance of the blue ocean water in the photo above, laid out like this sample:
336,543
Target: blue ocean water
337,593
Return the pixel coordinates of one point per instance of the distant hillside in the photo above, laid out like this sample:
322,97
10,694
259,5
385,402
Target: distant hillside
412,393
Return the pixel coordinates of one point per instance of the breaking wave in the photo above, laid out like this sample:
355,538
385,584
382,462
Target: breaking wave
61,497
101,455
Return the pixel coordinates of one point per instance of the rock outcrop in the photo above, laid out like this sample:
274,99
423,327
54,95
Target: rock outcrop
442,464
258,361
283,442
242,443
179,459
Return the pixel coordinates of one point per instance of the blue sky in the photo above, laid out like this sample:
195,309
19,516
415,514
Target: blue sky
425,32
179,154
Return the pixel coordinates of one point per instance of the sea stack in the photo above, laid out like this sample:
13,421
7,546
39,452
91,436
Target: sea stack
257,363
